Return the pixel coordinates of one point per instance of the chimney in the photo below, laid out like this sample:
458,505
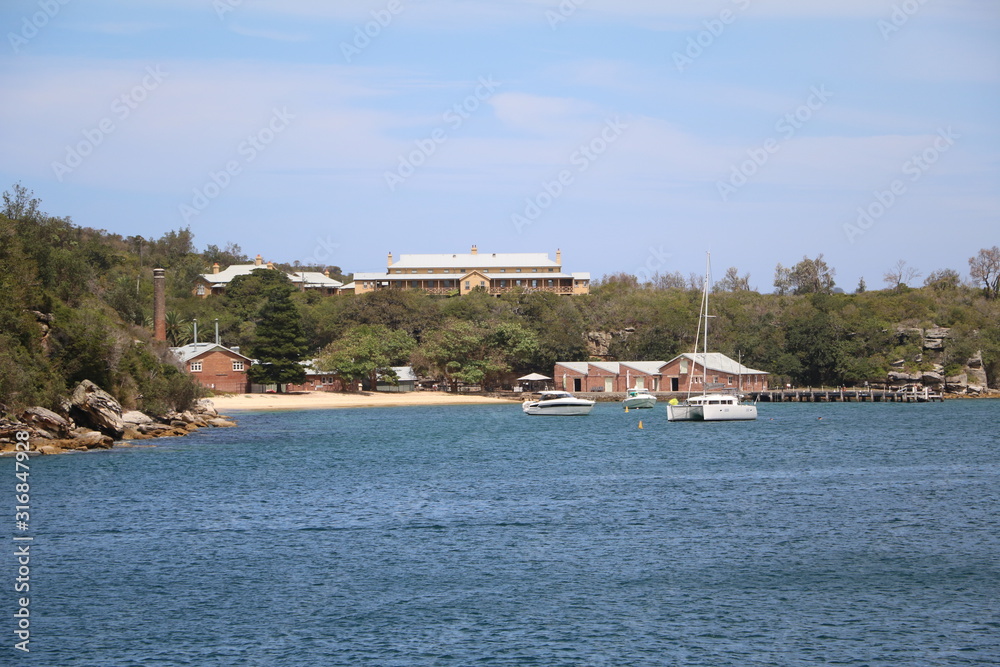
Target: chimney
270,265
559,257
215,268
326,272
475,250
159,305
258,261
390,261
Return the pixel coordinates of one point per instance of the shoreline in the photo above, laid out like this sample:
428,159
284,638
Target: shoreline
325,400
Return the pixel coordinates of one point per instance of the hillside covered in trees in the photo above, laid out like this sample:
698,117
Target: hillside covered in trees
78,304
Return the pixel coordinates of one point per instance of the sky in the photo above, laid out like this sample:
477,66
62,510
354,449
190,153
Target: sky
632,135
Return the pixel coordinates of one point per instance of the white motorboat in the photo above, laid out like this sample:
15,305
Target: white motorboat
708,407
638,398
559,403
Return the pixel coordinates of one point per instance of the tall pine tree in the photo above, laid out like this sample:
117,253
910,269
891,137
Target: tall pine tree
279,343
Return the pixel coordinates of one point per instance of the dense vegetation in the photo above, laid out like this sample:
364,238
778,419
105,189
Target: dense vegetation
77,304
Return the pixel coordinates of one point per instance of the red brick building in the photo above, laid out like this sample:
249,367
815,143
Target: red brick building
678,374
215,367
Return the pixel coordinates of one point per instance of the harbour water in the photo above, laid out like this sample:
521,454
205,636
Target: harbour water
851,534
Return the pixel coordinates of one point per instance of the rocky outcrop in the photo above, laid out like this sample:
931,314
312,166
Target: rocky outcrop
52,433
976,373
599,342
92,406
43,419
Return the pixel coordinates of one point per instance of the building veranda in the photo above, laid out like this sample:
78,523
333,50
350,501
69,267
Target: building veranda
461,273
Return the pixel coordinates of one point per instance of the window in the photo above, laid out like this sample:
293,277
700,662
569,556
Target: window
551,283
518,270
413,271
503,270
552,270
503,283
399,270
467,284
238,366
534,283
195,366
201,290
482,283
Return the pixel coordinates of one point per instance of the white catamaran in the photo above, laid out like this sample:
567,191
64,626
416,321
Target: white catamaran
708,407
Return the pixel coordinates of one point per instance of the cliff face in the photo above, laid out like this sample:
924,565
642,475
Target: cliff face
926,368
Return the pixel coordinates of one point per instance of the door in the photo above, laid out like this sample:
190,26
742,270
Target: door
674,384
609,384
577,384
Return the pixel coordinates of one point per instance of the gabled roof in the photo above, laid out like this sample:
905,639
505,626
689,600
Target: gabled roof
186,353
478,261
647,367
716,361
226,275
313,279
607,366
575,366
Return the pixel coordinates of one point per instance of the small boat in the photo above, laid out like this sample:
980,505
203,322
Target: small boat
560,403
639,398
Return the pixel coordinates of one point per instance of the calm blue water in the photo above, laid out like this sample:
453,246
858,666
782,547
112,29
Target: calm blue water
480,536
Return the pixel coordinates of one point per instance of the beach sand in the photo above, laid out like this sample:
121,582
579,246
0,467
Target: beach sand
317,400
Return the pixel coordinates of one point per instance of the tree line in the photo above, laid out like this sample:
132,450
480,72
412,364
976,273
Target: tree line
80,306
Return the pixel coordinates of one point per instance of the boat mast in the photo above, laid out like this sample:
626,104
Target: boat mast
704,304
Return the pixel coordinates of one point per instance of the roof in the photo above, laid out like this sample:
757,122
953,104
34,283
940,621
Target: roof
186,353
647,367
534,377
477,261
404,373
226,275
716,361
313,279
575,366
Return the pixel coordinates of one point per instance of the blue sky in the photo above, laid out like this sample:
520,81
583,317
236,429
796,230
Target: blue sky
632,135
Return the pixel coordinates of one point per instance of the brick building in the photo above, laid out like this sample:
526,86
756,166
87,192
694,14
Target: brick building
215,367
678,374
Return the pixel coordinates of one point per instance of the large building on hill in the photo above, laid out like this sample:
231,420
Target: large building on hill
215,367
682,373
216,282
461,273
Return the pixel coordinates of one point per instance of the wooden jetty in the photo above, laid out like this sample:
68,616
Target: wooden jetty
843,394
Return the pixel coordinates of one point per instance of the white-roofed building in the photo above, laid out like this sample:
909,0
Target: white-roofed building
217,281
461,273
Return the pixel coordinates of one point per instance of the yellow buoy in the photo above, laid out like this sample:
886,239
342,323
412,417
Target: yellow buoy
626,408
640,425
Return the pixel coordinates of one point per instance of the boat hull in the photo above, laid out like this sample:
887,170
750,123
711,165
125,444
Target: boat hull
639,402
557,408
711,413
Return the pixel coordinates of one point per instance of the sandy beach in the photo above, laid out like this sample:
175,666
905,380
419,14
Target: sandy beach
316,400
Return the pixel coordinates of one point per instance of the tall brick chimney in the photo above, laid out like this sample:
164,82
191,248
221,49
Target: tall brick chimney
475,250
389,261
159,305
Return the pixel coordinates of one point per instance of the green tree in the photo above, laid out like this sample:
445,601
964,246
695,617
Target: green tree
279,344
367,351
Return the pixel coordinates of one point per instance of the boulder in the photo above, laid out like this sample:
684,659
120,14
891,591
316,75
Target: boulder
900,378
937,333
205,406
222,423
956,384
44,419
94,440
136,417
931,378
933,344
899,363
51,449
93,406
